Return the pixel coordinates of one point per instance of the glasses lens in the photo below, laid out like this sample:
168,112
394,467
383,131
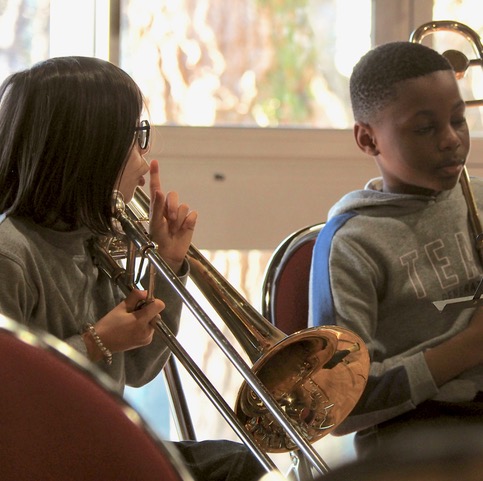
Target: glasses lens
143,134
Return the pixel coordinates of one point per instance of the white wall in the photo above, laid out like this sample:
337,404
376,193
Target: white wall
252,187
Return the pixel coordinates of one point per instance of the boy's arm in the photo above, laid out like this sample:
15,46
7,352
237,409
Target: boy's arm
348,297
459,353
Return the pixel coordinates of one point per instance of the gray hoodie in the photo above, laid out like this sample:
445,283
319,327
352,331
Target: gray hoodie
379,264
48,281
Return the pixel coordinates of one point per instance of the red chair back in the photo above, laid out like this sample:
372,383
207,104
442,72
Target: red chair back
61,419
285,290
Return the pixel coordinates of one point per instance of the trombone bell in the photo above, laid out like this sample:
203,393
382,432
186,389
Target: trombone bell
315,375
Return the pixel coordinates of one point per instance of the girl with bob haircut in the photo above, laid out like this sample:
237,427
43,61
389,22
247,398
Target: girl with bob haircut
71,135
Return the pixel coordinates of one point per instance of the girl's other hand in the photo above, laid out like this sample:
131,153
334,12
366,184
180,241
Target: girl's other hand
171,223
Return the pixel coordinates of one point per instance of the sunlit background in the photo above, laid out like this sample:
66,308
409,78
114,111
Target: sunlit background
255,63
244,63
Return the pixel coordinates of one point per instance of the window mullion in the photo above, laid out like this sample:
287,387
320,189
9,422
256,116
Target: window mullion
396,20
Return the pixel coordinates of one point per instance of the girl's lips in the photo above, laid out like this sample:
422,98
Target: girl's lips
142,181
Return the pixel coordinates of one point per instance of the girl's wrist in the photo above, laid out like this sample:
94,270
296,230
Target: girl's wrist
96,350
93,352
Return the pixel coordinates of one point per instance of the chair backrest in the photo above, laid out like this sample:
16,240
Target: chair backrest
62,419
285,289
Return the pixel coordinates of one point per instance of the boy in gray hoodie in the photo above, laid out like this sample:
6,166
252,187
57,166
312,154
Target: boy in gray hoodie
392,249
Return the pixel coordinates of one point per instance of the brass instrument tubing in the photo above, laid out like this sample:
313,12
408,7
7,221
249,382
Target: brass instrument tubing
145,245
116,273
213,395
473,38
130,263
472,212
178,403
255,336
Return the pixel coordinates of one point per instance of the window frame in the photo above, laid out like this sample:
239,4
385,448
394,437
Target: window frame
241,180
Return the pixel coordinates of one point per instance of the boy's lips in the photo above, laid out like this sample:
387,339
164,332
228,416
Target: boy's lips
452,168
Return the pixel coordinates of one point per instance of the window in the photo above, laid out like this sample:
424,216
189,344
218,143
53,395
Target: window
471,84
240,64
250,63
258,63
24,34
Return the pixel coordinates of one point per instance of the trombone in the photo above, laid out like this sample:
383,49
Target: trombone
300,388
460,63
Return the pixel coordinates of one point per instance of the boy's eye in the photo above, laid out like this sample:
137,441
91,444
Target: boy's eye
424,129
459,121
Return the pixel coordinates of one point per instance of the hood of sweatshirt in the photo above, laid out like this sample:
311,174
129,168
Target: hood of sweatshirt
388,204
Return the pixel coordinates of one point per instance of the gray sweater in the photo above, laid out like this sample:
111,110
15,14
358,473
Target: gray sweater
384,267
49,281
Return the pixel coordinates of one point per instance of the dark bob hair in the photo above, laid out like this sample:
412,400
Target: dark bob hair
66,130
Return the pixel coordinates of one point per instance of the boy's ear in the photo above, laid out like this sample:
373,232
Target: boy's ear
365,138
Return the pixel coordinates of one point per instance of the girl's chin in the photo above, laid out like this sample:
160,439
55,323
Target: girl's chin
126,196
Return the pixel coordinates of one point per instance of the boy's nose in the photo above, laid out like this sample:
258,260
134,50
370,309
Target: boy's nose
450,139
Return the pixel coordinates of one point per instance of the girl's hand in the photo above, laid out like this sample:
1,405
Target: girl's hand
171,224
127,326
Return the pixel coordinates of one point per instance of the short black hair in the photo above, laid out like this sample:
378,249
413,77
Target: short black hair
374,77
66,130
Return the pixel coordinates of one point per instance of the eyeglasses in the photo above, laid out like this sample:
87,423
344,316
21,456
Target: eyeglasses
142,134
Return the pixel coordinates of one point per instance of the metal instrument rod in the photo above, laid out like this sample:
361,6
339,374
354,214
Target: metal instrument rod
213,395
117,274
448,25
472,212
145,245
252,380
130,263
182,419
473,38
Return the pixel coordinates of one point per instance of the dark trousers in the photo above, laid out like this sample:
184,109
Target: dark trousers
404,432
220,461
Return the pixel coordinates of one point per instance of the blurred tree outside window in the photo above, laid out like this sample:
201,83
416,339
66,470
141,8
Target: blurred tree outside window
264,63
471,85
24,34
252,63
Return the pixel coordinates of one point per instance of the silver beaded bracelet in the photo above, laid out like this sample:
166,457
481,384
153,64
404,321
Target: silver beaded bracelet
105,351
